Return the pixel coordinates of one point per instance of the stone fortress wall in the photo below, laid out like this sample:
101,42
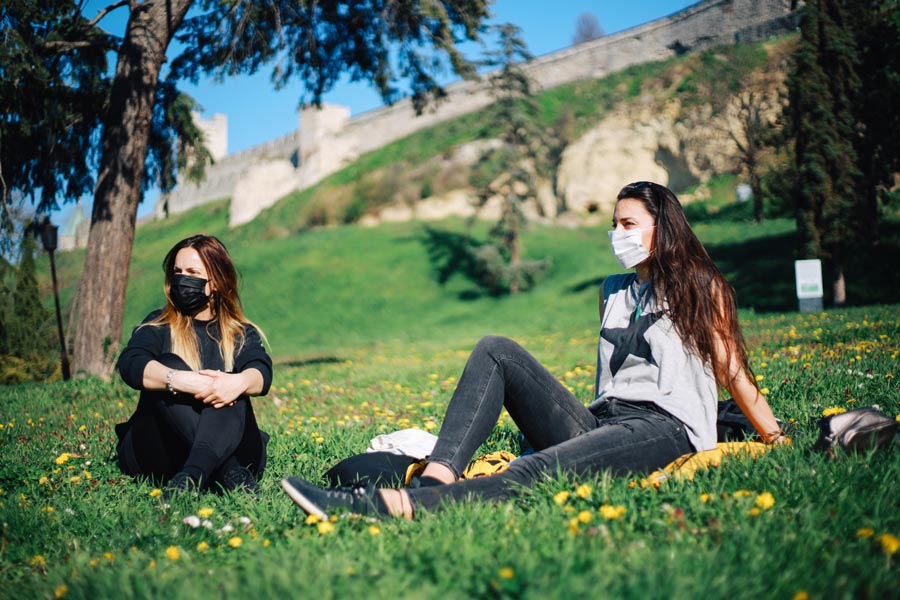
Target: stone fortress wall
328,138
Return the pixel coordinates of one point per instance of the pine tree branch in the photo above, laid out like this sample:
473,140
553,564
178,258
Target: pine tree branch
106,11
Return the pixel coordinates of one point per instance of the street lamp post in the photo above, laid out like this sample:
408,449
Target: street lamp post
48,233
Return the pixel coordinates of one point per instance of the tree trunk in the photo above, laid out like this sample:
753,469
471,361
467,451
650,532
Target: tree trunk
756,188
126,130
839,286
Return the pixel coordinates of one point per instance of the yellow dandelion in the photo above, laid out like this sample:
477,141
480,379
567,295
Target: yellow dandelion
60,591
760,377
764,391
801,595
109,556
37,561
506,573
741,494
834,410
890,543
324,528
155,492
573,525
765,501
93,562
584,516
704,497
583,491
202,547
173,553
611,513
312,519
43,480
235,541
265,543
62,458
865,532
561,497
75,479
754,511
205,513
374,530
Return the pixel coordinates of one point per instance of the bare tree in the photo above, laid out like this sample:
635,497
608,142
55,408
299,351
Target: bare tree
587,28
754,128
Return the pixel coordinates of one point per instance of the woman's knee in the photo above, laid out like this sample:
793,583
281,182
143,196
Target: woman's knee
525,470
496,345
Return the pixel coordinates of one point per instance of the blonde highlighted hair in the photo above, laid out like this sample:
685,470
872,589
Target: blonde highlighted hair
225,303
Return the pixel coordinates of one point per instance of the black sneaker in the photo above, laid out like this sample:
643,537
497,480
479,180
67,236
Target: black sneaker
239,479
360,500
182,482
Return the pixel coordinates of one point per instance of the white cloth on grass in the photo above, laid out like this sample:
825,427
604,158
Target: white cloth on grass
410,442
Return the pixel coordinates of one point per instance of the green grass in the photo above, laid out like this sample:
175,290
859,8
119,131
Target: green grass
83,525
366,342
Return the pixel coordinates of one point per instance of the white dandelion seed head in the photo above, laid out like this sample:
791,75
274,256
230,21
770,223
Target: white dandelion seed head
192,521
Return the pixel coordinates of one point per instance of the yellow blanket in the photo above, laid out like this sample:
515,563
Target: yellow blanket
682,467
686,465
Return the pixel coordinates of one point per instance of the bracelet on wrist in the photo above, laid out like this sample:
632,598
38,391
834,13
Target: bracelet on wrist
169,376
773,436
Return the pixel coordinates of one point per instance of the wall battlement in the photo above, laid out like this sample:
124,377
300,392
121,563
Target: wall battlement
328,138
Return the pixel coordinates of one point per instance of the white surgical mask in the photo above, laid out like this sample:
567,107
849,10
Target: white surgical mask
628,248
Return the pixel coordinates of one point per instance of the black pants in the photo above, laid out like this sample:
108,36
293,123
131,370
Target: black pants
169,432
623,437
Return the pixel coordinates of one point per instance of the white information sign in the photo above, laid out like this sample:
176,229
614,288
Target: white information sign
809,278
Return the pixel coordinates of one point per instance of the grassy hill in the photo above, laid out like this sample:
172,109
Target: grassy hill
319,291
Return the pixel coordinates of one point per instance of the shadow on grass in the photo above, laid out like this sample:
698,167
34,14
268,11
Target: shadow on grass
593,283
450,253
761,271
305,362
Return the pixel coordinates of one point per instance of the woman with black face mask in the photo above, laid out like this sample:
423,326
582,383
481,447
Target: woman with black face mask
196,362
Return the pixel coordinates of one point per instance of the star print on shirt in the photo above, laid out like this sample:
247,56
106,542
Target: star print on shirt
630,340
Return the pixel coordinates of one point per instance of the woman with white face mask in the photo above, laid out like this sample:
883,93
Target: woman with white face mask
669,333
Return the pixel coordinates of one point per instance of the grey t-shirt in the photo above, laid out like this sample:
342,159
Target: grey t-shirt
641,358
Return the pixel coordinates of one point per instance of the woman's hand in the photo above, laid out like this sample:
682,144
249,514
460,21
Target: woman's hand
223,389
190,382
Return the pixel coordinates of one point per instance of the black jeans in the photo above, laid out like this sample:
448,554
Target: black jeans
622,437
169,432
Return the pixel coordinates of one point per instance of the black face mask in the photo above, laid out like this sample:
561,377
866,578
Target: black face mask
187,294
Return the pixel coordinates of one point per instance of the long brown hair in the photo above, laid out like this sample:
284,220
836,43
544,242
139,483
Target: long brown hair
700,302
228,314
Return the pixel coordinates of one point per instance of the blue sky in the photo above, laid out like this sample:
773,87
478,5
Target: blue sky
258,113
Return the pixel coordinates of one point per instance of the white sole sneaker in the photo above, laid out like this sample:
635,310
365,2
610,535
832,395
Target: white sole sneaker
302,501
